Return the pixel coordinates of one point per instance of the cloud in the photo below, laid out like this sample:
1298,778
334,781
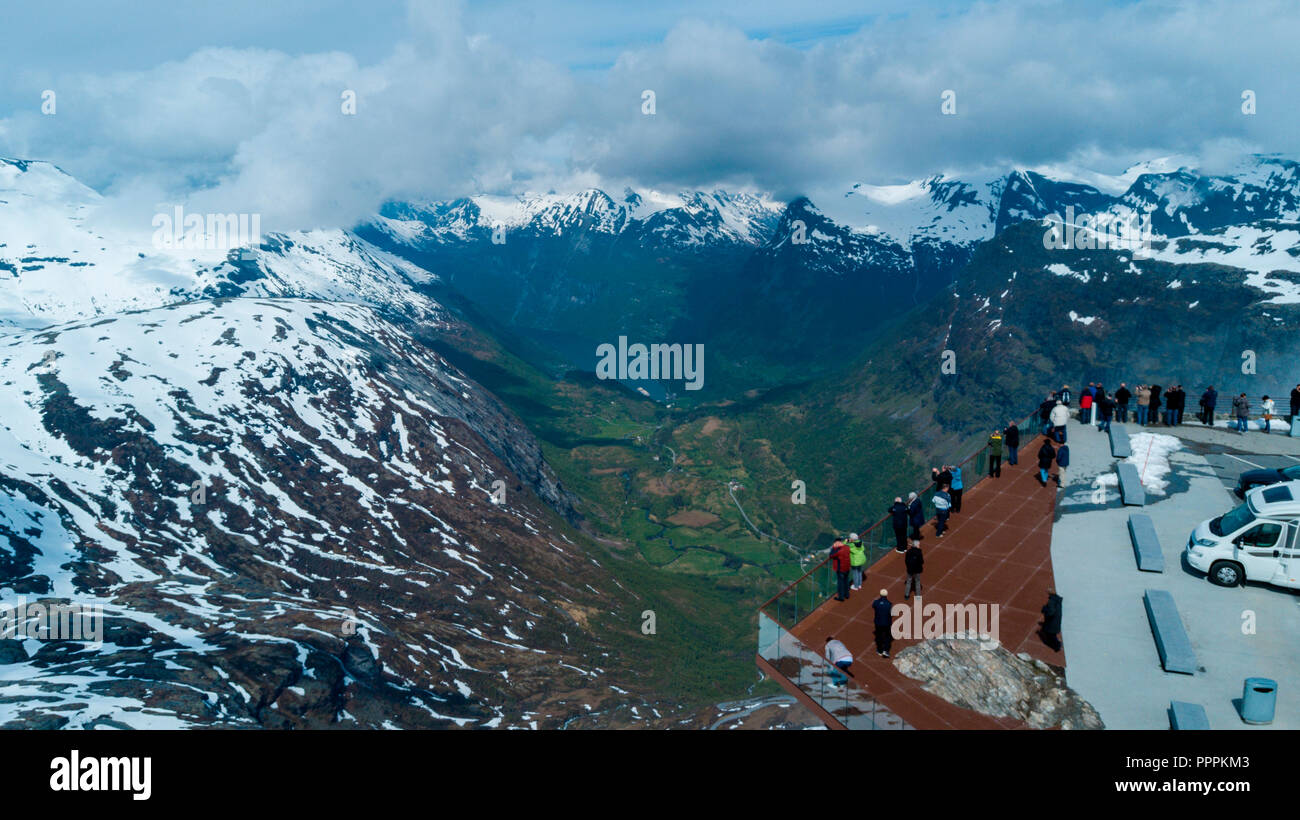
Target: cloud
449,111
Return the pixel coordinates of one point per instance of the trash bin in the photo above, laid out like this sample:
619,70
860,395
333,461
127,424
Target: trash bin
1258,699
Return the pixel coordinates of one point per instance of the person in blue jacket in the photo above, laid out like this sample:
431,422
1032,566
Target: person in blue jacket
1062,461
954,490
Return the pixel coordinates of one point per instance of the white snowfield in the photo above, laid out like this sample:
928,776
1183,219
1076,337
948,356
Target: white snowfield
960,210
1272,257
1151,453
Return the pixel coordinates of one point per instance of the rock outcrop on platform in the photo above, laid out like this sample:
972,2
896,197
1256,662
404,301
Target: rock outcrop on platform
996,682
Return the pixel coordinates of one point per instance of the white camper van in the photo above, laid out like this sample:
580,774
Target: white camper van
1258,541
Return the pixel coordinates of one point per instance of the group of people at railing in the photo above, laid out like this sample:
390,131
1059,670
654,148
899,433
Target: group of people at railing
1151,407
848,555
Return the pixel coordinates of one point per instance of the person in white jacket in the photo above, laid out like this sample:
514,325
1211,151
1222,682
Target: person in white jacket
1059,416
1268,414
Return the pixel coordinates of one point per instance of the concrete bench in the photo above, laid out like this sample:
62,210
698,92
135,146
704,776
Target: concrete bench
1146,545
1119,443
1176,653
1130,486
1187,716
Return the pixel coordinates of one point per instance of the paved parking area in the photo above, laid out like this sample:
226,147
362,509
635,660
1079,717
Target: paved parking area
1237,633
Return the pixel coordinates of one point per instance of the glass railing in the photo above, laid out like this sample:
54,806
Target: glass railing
829,688
806,668
817,585
1223,411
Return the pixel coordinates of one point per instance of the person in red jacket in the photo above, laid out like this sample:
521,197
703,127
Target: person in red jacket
841,563
1085,407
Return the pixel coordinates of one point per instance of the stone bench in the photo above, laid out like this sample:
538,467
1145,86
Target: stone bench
1187,716
1130,485
1119,443
1146,545
1176,653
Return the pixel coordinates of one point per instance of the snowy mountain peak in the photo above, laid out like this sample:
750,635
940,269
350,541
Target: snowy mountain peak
58,262
688,217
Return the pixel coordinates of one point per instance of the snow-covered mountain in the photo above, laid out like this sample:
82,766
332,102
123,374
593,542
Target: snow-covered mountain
1179,198
806,279
280,493
58,262
284,507
953,209
647,216
291,510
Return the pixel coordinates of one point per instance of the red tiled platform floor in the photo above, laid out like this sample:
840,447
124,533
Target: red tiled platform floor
997,550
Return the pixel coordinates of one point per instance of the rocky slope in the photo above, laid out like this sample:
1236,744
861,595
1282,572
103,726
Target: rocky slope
285,508
284,501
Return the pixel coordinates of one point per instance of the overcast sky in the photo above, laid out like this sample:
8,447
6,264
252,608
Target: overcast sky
237,106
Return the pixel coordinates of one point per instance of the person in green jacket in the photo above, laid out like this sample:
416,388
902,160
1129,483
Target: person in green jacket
995,455
857,559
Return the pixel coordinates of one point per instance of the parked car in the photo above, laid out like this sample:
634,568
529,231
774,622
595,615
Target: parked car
1251,479
1257,541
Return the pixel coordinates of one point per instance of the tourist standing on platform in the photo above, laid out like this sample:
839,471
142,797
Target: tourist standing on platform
1085,405
942,507
915,514
840,562
914,561
1064,395
1052,613
995,454
838,654
1012,437
1062,461
898,516
1208,400
1267,407
1153,414
1241,407
1105,410
1143,404
1046,455
1295,403
884,621
1060,417
1045,414
940,476
1180,405
1122,396
857,560
955,488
